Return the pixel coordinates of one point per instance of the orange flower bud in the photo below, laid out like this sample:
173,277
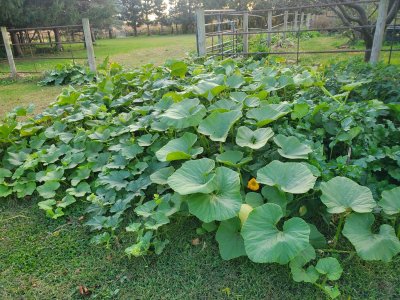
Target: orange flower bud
253,185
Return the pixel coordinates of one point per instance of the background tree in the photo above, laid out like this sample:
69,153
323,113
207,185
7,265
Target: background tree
147,11
159,11
131,12
354,14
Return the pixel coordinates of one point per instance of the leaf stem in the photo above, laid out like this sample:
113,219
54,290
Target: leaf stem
339,229
335,251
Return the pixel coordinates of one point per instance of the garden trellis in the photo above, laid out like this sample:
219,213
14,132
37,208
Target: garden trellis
226,33
26,44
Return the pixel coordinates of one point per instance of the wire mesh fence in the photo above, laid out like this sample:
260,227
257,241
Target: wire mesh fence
291,31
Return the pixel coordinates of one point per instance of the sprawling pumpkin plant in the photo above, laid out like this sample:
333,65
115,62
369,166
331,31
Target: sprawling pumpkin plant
270,157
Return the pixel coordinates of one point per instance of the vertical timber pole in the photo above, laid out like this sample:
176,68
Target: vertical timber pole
89,44
296,20
308,21
246,32
269,27
201,33
379,31
301,20
10,56
219,29
285,24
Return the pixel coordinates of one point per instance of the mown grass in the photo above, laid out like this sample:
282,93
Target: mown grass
130,52
45,259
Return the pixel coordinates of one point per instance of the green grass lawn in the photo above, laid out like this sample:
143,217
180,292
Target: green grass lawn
45,259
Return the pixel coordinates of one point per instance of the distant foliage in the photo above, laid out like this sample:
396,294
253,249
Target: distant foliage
64,74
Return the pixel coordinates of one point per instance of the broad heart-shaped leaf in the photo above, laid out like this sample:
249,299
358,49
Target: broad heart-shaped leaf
48,189
178,68
223,203
231,244
257,139
208,89
274,195
268,113
369,246
180,148
330,267
233,158
217,124
291,147
265,243
340,194
193,177
290,177
161,176
390,202
184,114
296,266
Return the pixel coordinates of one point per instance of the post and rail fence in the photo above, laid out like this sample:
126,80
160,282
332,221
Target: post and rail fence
47,40
227,33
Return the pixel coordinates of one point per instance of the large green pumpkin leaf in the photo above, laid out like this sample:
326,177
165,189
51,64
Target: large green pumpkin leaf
223,203
218,124
161,176
208,89
268,113
341,194
300,274
291,147
233,158
257,139
48,189
265,243
294,178
390,202
330,267
184,114
231,244
180,148
369,246
193,177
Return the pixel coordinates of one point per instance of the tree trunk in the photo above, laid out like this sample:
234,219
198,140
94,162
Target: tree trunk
148,29
110,32
135,29
369,40
172,29
57,38
16,44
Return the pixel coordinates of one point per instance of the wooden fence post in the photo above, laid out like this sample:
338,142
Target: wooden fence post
219,29
89,44
308,21
379,31
269,39
245,32
201,33
285,24
301,20
296,20
9,53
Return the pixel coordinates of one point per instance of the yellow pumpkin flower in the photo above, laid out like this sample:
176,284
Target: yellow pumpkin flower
253,185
